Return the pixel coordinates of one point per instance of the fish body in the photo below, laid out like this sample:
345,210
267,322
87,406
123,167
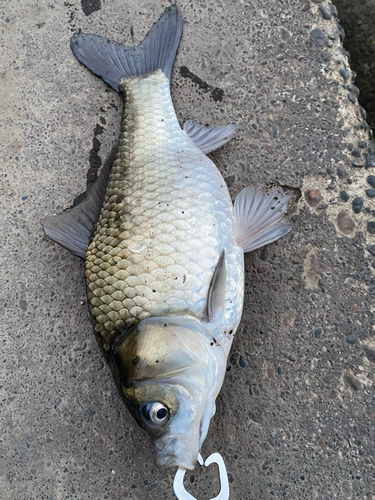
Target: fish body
163,246
166,219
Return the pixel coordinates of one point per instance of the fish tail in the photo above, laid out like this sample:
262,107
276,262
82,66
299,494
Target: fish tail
113,61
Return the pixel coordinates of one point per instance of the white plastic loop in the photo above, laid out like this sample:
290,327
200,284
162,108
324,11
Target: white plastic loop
215,458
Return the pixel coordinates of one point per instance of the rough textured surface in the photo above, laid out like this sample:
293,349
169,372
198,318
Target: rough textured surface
357,18
296,415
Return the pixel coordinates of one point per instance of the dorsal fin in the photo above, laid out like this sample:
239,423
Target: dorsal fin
207,138
216,292
72,229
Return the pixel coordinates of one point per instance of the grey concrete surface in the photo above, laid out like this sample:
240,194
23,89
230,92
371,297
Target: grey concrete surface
296,416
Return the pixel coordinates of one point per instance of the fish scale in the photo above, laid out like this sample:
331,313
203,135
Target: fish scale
164,221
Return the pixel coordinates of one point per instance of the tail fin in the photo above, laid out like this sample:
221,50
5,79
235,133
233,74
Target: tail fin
259,212
113,61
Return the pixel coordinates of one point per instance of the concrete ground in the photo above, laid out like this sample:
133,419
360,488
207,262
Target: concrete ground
296,415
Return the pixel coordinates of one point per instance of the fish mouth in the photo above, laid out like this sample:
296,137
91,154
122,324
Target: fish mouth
175,454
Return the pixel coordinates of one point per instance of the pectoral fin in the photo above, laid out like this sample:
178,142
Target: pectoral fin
209,138
259,212
216,292
72,229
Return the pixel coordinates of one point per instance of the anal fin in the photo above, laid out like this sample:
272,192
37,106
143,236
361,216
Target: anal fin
207,138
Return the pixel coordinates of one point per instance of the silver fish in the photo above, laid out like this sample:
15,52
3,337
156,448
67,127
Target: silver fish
163,246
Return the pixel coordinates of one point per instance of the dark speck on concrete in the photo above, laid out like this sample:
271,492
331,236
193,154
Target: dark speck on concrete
371,227
370,193
344,196
328,379
345,74
230,180
353,89
332,394
352,98
357,204
362,144
215,93
351,339
325,12
242,362
371,180
262,269
356,152
279,370
90,6
318,333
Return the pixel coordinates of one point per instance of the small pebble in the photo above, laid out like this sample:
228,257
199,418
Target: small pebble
317,36
345,74
344,196
242,362
234,358
265,254
371,227
279,370
334,10
353,89
351,380
332,394
342,173
357,204
345,223
371,180
318,333
371,249
362,144
369,161
352,98
363,112
370,354
262,269
341,33
351,339
230,180
357,163
370,193
325,12
313,197
329,379
356,152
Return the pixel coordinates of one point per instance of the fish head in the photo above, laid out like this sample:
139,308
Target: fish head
168,375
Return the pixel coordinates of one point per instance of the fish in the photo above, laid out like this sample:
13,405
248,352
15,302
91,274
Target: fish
163,245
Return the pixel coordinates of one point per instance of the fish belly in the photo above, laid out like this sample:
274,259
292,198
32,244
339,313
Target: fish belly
166,218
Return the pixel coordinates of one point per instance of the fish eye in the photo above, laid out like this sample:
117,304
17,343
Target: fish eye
155,413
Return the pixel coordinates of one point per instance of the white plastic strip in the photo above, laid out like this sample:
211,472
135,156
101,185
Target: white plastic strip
215,458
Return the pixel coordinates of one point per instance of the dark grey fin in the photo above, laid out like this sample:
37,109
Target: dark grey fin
73,229
259,212
216,292
207,138
113,61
